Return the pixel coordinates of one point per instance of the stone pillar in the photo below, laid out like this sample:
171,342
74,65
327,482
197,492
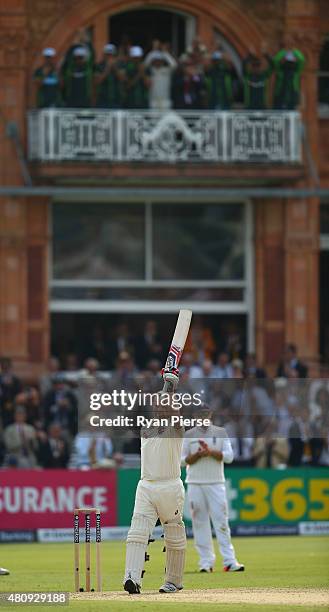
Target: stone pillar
301,270
301,31
302,26
13,279
37,280
24,325
270,281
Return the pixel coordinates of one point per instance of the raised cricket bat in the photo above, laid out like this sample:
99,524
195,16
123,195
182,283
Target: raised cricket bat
178,343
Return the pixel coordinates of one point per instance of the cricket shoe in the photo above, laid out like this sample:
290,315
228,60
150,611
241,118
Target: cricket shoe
234,567
132,587
169,587
4,572
206,570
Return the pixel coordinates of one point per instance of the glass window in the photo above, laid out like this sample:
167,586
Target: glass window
98,241
198,242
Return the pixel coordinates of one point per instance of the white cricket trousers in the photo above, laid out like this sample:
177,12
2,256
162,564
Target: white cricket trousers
208,501
163,500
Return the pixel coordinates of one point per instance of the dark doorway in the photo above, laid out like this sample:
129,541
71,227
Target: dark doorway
142,26
324,306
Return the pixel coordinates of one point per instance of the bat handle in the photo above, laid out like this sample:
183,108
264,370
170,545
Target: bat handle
168,387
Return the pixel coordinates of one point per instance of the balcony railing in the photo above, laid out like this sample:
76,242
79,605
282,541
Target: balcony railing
150,136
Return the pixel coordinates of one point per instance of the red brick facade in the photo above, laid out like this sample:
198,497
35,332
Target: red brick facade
286,231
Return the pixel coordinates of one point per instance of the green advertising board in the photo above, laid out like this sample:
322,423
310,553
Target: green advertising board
255,496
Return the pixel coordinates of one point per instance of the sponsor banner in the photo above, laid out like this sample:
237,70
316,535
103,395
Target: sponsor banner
108,534
17,536
264,530
314,528
120,533
255,496
66,535
278,496
33,499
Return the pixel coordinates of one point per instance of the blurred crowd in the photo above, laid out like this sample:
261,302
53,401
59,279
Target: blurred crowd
130,78
272,422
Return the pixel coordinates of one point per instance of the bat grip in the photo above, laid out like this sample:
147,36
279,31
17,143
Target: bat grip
168,387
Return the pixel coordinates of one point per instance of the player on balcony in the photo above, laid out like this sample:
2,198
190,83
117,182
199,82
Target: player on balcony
288,65
47,81
108,79
257,73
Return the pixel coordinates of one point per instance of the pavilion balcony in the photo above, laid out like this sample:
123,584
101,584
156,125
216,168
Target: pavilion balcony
76,135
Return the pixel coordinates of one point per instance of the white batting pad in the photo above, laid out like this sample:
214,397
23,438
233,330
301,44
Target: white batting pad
137,540
175,539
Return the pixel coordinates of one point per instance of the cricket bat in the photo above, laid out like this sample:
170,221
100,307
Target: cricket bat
178,343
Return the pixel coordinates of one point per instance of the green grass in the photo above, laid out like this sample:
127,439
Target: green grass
294,562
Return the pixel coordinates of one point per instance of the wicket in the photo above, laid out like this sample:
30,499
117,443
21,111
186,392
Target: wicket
87,512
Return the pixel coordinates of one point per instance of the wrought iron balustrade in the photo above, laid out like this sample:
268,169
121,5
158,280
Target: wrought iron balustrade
164,137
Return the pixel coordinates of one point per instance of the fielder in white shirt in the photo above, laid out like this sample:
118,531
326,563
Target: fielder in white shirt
159,494
205,450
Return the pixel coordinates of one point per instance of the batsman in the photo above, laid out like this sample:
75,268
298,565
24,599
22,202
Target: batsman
160,491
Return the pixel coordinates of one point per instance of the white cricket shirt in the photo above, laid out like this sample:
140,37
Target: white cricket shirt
161,454
207,470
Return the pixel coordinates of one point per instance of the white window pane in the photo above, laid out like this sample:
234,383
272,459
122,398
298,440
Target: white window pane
98,241
204,242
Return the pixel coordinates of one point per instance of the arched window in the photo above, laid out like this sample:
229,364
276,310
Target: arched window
143,26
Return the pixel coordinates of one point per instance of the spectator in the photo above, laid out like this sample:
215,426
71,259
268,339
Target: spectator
281,410
251,368
200,342
30,399
288,67
108,79
256,77
188,87
92,451
122,341
319,421
189,368
97,347
47,80
298,434
324,456
241,434
21,441
320,406
125,372
78,79
270,450
10,385
290,361
136,80
148,346
90,381
53,450
71,362
46,380
223,369
60,406
160,66
256,404
237,368
323,459
219,78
